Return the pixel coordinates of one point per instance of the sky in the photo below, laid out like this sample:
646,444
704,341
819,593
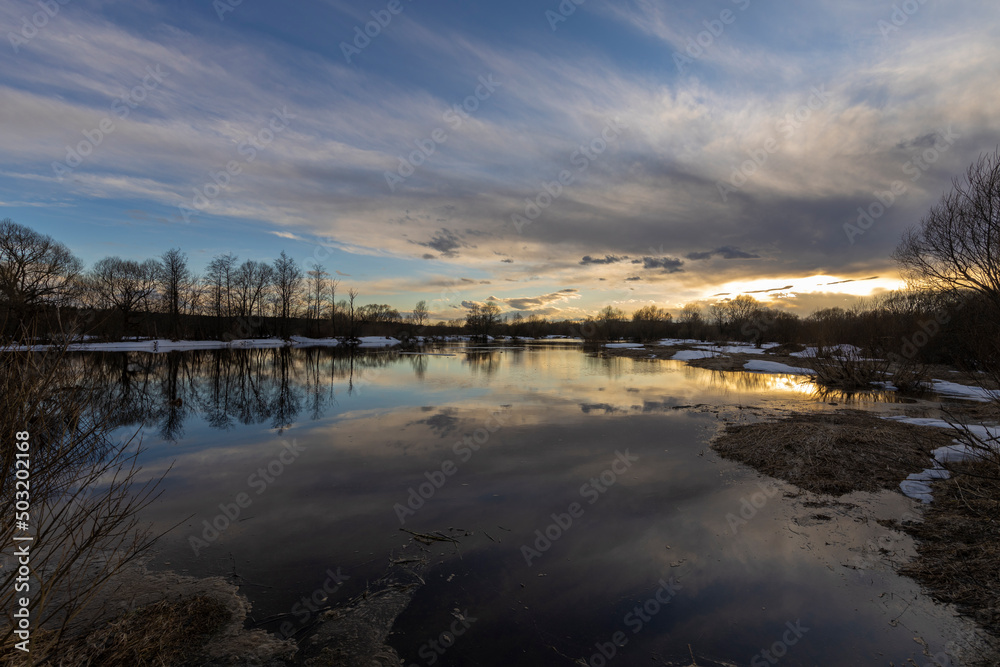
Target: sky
552,157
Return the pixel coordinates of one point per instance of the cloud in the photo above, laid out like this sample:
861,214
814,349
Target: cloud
538,302
853,280
726,252
667,264
773,289
608,259
288,235
445,242
324,176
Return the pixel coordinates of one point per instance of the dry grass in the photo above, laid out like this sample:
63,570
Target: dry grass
833,453
163,633
85,495
852,370
959,545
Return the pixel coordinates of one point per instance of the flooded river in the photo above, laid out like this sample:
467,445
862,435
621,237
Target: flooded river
592,523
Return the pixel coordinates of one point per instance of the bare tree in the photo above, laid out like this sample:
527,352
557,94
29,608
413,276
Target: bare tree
611,320
251,281
287,285
34,270
690,314
220,277
352,294
125,284
318,276
482,318
333,284
957,245
419,314
691,321
174,279
649,322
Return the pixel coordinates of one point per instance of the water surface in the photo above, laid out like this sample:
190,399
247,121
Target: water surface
663,546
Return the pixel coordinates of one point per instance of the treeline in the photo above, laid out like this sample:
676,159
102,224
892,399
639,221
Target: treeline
952,314
930,326
45,291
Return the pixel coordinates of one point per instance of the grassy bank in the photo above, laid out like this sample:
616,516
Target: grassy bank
958,541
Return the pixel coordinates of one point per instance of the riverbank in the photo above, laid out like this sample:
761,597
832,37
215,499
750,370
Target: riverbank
846,451
957,555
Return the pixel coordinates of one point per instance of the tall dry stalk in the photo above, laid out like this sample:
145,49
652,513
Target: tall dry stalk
85,495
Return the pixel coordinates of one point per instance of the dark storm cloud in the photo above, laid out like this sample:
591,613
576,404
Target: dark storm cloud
726,252
445,242
773,289
666,264
857,280
608,259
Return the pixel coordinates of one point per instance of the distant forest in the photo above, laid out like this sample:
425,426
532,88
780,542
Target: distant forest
950,315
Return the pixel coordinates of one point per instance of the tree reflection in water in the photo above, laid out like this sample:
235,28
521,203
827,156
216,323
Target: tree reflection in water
229,387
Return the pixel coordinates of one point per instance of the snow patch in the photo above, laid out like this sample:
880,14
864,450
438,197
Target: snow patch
761,366
735,348
688,355
917,485
955,390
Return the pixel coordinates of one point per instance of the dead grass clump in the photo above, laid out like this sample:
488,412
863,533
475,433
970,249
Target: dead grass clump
163,633
849,371
833,453
728,362
958,549
785,349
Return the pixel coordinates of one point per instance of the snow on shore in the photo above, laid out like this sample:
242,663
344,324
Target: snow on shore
917,485
688,355
955,390
733,348
166,345
761,366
